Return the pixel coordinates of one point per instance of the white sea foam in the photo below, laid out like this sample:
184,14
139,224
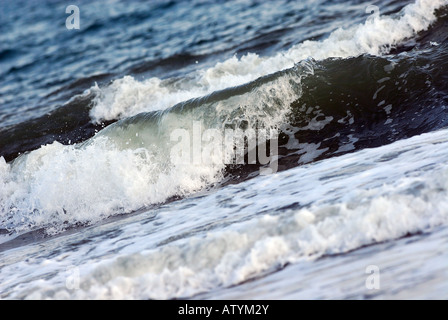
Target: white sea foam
239,233
234,234
126,97
59,185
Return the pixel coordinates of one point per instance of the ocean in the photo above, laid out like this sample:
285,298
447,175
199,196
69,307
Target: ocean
207,149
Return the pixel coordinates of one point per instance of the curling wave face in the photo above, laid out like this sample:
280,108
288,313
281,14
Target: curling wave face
128,165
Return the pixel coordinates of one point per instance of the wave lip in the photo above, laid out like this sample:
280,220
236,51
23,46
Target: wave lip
377,36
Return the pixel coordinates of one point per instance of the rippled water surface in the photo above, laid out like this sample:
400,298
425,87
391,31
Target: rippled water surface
92,205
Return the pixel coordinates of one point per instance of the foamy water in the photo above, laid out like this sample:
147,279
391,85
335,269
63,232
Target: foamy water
231,235
113,217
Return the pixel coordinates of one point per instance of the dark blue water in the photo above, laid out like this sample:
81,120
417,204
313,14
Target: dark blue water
42,64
